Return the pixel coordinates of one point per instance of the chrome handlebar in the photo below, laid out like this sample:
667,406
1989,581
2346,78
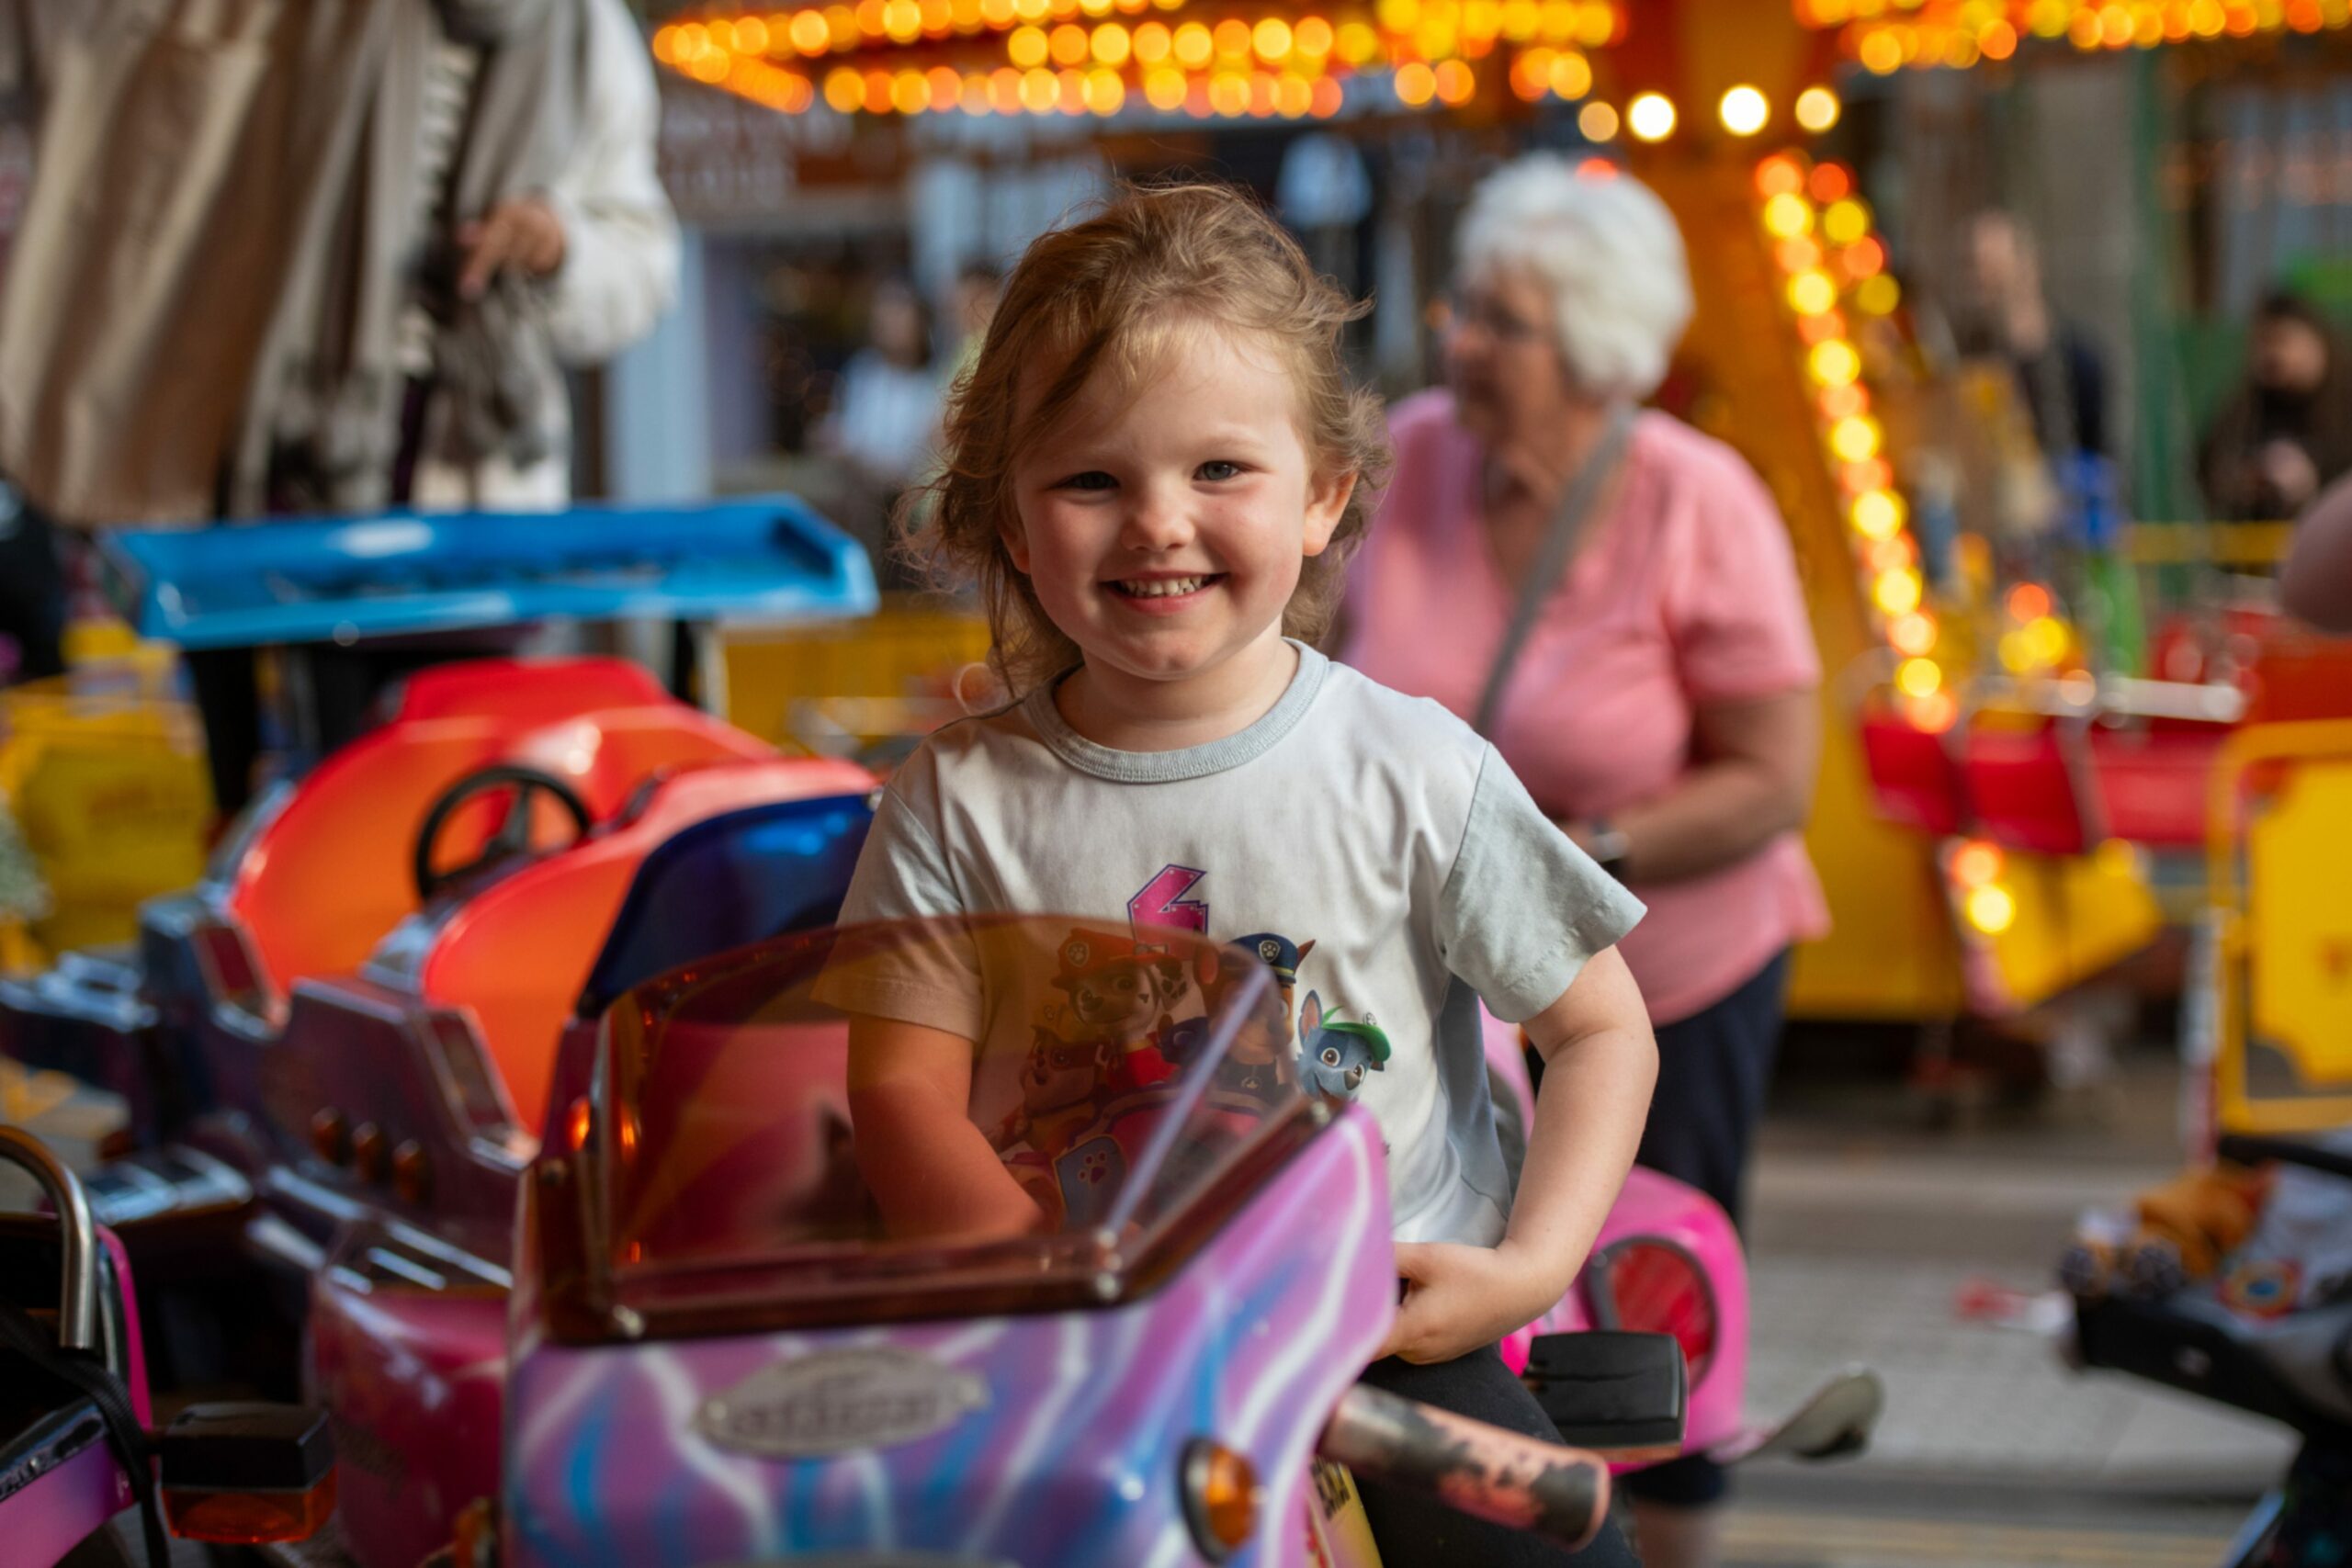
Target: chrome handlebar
77,1296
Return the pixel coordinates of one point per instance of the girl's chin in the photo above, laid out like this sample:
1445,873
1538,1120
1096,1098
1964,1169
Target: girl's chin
1168,658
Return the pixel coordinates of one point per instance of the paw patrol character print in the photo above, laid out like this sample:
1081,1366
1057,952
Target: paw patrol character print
1119,993
1333,1056
1283,956
1060,1084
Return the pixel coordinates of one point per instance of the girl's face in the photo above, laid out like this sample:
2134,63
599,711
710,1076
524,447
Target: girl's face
1164,531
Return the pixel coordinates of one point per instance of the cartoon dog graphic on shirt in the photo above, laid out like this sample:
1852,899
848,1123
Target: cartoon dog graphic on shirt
1059,1083
1120,993
1333,1056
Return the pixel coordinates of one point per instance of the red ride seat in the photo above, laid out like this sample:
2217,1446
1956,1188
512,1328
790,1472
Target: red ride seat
526,692
326,877
1912,776
2029,793
519,950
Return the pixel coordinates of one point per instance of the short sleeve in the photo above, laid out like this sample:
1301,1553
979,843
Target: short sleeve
901,874
931,979
1524,908
1735,608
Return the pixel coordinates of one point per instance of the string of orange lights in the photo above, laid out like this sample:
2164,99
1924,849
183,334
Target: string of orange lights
1833,268
1095,56
1885,36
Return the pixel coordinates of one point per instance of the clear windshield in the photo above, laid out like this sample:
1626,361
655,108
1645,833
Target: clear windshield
930,1106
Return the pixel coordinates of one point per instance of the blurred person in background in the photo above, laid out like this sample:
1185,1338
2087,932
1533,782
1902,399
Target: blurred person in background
2004,312
316,255
2287,432
1661,705
885,423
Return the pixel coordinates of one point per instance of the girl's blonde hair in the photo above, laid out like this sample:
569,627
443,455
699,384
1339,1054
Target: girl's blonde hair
1110,294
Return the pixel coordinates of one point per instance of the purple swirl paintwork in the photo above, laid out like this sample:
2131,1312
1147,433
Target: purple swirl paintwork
1074,1461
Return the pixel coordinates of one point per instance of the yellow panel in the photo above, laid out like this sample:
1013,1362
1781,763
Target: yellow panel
902,651
105,772
2299,865
1891,951
2076,916
2276,872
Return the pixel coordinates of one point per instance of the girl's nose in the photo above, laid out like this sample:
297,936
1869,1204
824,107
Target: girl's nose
1157,523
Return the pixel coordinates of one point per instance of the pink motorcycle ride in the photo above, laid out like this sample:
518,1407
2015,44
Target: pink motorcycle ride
709,1346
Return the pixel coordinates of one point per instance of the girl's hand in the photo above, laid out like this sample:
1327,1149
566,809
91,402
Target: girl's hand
1460,1298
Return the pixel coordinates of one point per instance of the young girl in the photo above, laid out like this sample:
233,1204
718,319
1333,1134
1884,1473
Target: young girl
1155,468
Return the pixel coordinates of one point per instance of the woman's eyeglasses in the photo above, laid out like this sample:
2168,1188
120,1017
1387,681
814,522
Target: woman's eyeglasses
1461,310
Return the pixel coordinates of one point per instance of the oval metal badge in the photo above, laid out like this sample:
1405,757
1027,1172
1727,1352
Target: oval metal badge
837,1402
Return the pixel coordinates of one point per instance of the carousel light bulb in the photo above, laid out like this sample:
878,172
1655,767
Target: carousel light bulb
1651,117
1845,221
1854,438
1817,109
1597,122
1744,110
1918,677
1991,909
1878,514
1834,362
1896,591
1914,634
1812,293
1787,215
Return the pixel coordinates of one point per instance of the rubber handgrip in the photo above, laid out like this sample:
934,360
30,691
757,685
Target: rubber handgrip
1546,1489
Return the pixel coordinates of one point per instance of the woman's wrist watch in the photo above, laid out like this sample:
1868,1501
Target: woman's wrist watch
1610,846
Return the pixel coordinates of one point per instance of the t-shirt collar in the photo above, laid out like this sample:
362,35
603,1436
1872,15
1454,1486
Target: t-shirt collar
1191,762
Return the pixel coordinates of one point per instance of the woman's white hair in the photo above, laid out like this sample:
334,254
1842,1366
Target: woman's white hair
1606,251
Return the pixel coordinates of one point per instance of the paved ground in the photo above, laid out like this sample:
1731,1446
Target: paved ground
1867,1229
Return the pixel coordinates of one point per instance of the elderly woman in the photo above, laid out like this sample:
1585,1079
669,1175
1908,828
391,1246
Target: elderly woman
1660,704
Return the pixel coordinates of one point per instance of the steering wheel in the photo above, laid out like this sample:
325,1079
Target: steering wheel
513,835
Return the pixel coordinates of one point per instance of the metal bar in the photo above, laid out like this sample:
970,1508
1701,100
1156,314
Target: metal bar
77,1295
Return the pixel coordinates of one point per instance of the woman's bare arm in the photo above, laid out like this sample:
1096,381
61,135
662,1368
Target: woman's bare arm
1751,781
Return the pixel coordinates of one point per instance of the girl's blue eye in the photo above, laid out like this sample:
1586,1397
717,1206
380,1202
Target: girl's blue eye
1093,479
1218,469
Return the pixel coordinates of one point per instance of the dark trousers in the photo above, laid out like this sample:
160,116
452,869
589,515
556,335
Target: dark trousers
1712,1072
32,591
1413,1531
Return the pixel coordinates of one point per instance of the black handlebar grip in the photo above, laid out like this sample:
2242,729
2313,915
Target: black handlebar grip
1546,1489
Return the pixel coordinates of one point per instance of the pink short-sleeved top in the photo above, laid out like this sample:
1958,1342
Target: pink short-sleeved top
1686,593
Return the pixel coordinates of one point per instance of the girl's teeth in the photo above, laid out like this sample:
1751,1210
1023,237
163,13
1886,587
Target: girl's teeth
1162,588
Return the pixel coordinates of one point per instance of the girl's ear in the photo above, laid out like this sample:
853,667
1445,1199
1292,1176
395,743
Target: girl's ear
1016,540
1327,502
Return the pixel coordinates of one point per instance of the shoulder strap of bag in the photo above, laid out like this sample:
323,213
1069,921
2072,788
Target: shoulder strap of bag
1552,560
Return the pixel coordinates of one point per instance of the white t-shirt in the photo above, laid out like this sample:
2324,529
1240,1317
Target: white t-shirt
1369,842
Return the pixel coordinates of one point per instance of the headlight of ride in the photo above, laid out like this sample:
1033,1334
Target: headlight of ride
1220,1492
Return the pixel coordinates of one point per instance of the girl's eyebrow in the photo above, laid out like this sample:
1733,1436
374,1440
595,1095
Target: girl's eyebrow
1079,449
